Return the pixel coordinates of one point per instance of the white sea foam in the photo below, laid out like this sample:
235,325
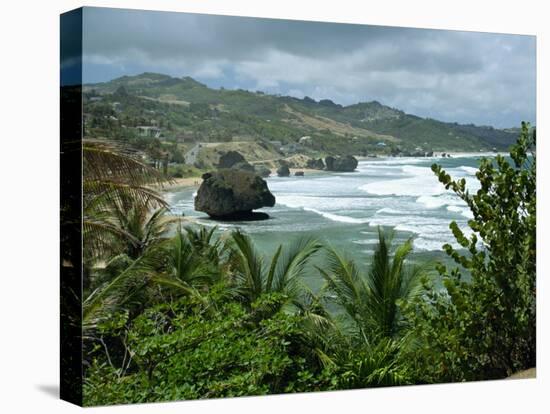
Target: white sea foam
468,170
420,181
401,193
393,161
441,200
465,211
388,210
323,203
324,206
421,243
337,217
365,242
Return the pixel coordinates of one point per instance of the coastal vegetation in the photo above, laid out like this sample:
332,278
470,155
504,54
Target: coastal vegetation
184,127
174,311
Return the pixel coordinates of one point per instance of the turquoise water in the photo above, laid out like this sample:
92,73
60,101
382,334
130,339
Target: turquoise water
345,209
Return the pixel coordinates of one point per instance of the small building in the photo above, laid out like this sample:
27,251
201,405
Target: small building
148,131
381,144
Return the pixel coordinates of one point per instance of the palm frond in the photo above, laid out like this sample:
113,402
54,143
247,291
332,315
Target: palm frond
113,294
344,285
177,284
273,268
293,263
100,236
249,264
372,300
102,162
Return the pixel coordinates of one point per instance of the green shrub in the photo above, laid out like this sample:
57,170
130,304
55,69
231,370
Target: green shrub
186,350
485,327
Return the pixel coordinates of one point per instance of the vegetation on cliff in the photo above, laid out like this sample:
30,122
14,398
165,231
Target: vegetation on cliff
202,314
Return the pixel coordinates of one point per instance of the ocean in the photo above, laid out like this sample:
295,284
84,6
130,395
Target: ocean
345,209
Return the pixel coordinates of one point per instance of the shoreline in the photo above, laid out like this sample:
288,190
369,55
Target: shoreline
293,170
469,154
180,183
187,182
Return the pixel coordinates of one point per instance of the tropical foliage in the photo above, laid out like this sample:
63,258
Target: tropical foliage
483,325
184,312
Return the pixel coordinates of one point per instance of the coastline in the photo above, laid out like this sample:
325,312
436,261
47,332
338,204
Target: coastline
294,170
180,183
187,182
470,154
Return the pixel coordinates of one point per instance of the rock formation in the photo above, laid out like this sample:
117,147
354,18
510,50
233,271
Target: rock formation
231,194
229,159
342,164
283,171
315,164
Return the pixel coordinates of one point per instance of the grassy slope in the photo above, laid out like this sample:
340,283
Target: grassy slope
191,106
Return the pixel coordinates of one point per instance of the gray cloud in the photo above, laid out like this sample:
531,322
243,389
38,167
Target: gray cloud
449,75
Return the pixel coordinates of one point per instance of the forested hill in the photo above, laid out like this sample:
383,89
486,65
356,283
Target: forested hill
185,108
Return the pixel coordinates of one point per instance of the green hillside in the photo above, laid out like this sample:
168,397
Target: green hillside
186,111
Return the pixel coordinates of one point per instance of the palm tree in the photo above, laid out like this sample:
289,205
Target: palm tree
205,244
188,263
370,334
370,301
112,177
115,294
142,229
379,364
117,197
253,278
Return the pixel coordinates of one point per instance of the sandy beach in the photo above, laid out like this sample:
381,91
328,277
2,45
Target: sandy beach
196,181
181,182
293,171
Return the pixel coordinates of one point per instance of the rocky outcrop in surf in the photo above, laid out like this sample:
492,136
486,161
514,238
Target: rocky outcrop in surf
315,164
346,163
231,194
283,171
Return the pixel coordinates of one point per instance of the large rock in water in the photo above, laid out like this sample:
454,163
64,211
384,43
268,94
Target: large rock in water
231,194
230,158
283,171
315,164
347,163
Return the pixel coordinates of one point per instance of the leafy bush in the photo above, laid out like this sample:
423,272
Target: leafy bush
200,315
185,350
485,327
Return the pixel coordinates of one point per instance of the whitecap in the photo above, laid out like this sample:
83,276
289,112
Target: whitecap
468,170
337,217
465,211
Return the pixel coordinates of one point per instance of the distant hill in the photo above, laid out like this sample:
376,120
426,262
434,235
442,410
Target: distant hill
183,107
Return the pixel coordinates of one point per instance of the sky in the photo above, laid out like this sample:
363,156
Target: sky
465,77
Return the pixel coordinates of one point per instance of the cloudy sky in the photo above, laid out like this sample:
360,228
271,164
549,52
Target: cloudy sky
466,77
